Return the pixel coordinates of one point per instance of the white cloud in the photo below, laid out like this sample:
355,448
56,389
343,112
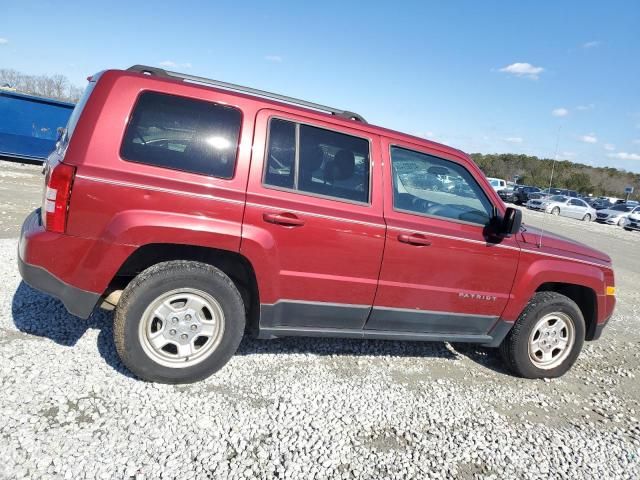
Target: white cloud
172,64
583,108
273,58
609,146
3,41
624,156
514,139
589,138
520,69
592,44
560,112
636,141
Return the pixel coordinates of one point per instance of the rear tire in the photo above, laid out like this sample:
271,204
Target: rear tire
546,339
178,322
555,211
586,218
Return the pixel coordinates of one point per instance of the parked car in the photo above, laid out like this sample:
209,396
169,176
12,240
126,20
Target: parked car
200,210
522,193
617,214
633,222
569,207
507,194
547,192
601,204
497,183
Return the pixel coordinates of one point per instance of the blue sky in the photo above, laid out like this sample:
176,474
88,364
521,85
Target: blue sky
480,76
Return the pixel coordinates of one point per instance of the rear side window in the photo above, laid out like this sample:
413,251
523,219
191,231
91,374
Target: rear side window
183,134
317,161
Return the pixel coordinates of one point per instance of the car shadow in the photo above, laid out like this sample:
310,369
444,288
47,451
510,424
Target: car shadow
39,314
484,356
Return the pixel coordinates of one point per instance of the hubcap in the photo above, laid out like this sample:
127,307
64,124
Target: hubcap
551,340
181,328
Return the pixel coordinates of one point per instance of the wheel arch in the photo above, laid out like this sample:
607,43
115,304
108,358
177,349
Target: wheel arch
583,296
235,265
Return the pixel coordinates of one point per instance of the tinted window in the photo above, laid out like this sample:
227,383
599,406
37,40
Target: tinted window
328,163
419,188
622,208
281,154
578,203
558,198
183,134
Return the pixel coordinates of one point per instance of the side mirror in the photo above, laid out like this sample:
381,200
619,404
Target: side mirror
511,221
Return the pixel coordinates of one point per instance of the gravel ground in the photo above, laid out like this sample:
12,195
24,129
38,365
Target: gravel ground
312,408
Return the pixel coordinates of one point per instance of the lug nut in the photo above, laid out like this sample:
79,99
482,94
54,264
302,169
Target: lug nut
187,317
194,327
174,319
184,336
172,332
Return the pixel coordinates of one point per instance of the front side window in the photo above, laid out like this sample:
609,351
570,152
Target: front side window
418,188
183,134
317,161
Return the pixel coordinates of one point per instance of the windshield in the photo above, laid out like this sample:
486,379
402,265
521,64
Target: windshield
622,208
558,198
495,183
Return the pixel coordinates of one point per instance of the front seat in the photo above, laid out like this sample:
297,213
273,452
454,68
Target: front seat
342,169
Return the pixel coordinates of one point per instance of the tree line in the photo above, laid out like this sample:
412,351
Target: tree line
50,86
531,170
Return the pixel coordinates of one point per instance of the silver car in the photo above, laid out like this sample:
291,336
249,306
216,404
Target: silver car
569,207
617,215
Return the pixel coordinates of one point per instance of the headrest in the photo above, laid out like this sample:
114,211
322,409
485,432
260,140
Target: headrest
342,166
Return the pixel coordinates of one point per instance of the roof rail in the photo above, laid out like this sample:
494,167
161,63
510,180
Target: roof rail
159,72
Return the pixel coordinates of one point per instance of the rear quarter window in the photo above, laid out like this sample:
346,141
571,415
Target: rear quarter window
183,134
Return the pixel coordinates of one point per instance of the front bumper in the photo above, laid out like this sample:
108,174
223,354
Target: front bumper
632,225
608,221
77,301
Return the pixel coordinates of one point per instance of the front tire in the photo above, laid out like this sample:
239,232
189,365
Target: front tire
586,218
547,338
555,211
178,322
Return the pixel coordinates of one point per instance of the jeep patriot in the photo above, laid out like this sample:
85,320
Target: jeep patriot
199,210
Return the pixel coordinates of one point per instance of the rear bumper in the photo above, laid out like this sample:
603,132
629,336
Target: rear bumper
77,301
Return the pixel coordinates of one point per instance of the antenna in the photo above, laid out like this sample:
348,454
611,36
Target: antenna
553,168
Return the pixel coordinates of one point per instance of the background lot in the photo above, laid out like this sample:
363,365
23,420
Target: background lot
311,408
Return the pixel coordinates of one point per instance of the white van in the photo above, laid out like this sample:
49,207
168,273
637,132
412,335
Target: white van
497,183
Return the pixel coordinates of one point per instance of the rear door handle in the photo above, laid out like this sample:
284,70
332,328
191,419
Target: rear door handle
416,239
286,219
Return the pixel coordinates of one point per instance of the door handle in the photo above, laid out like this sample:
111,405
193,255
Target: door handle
285,219
416,239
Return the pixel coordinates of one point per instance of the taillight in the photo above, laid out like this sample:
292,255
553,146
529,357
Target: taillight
56,197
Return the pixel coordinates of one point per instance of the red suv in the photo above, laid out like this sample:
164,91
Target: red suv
199,209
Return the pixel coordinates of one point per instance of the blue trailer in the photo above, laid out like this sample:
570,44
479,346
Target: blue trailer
29,125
